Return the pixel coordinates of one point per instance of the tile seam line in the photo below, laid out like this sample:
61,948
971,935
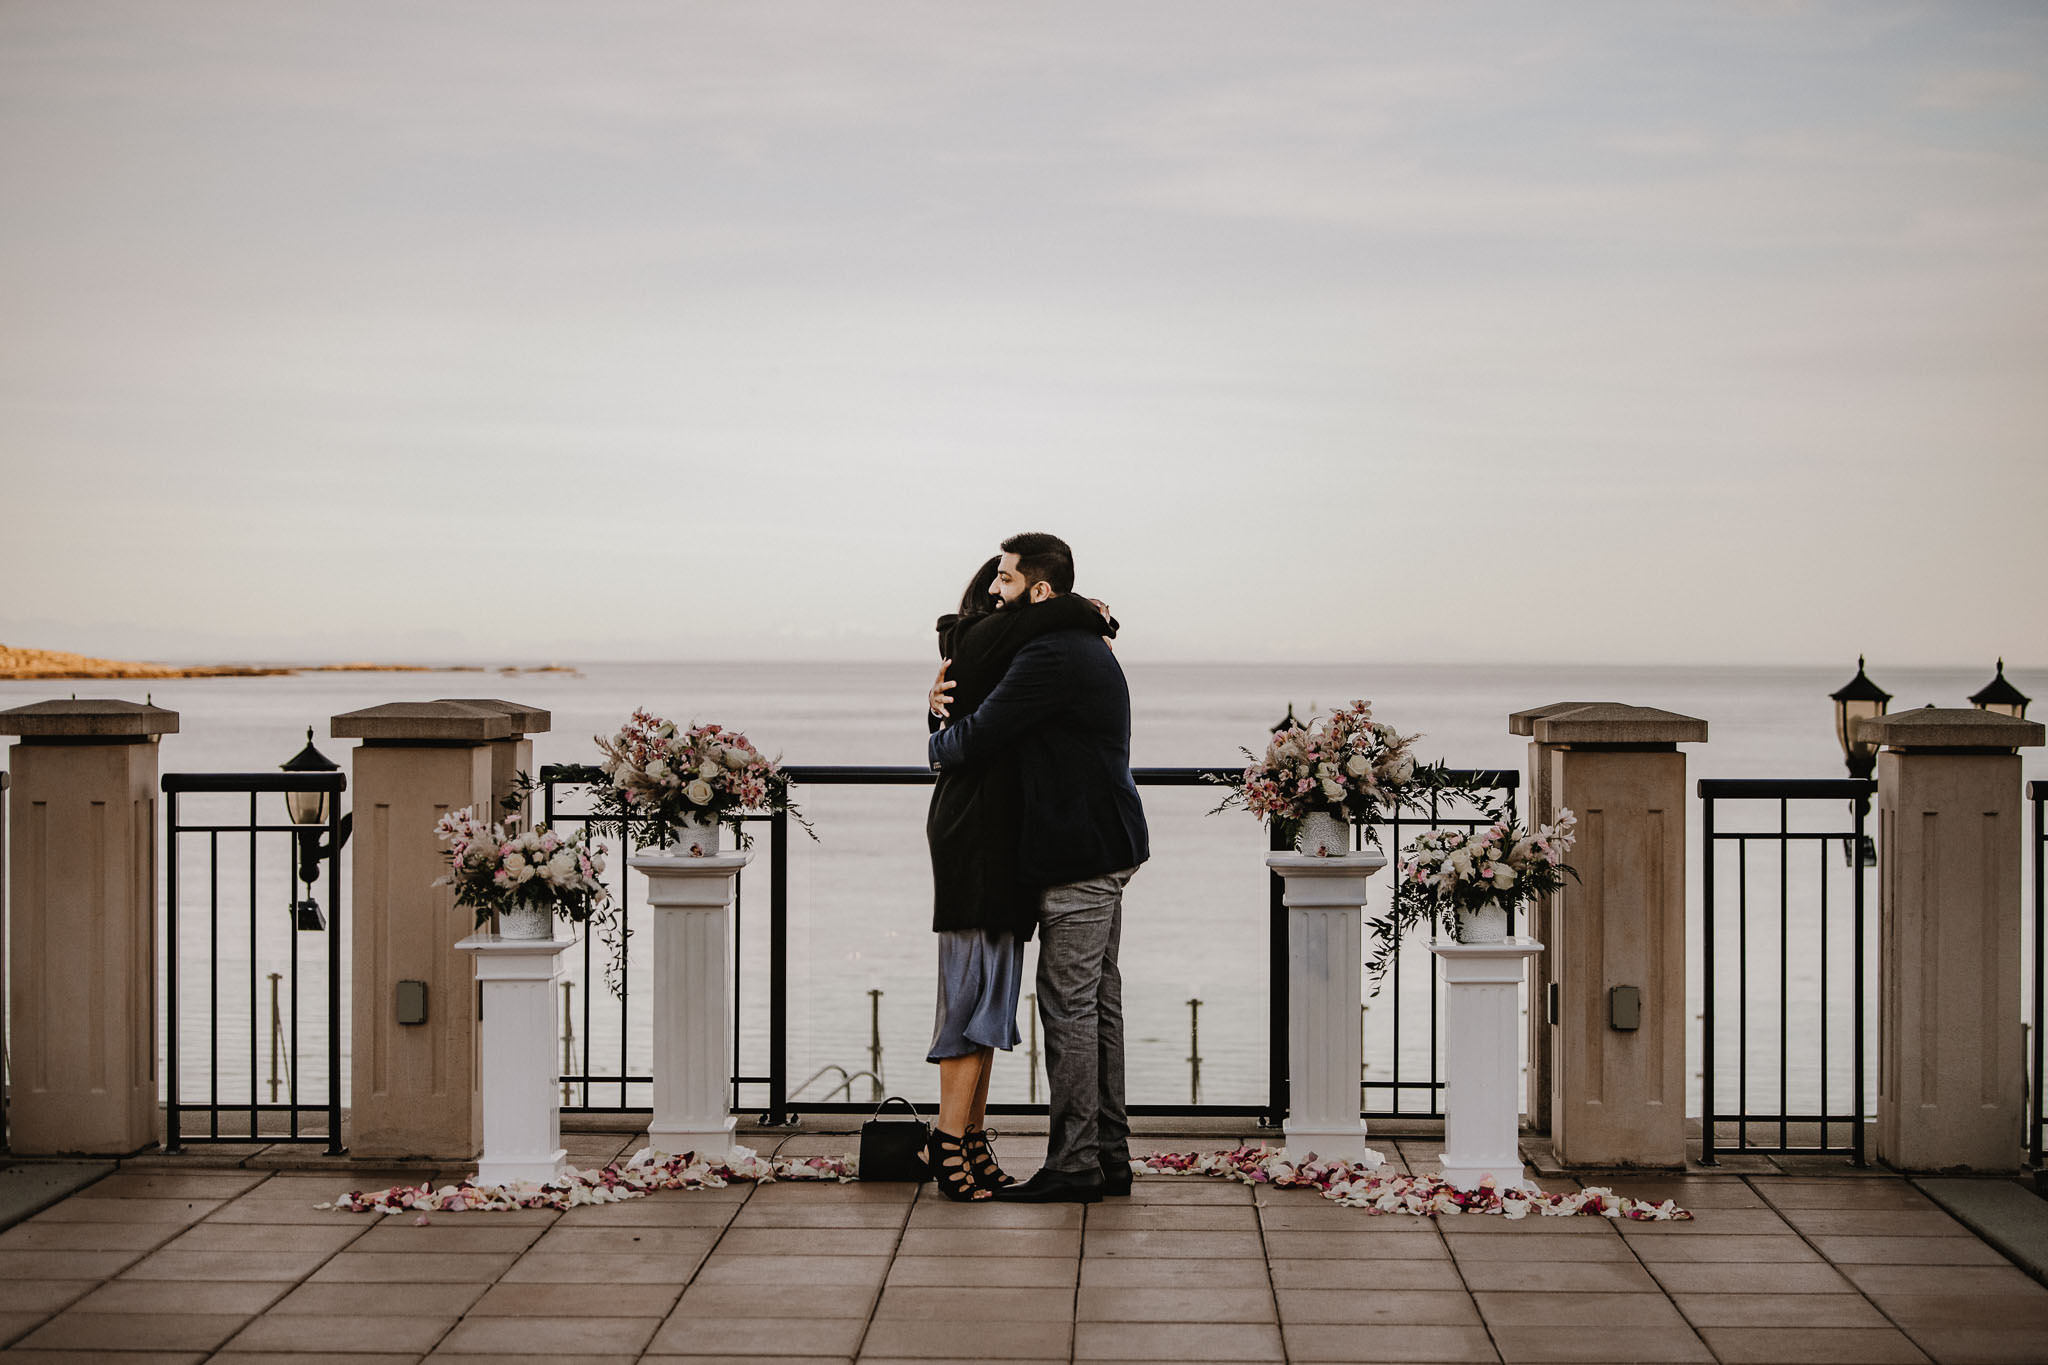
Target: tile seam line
1436,1227
1272,1290
902,1228
1861,1293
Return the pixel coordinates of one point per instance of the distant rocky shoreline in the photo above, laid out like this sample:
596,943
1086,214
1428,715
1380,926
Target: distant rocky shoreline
28,664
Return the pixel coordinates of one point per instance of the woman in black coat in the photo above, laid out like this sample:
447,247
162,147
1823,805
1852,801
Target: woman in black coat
981,912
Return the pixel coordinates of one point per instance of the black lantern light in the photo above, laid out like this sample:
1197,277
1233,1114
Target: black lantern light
1858,699
2001,696
310,810
1288,722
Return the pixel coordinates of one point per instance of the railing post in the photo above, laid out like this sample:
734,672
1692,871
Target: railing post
1618,1093
414,1085
1276,992
82,898
778,970
1707,984
2038,792
1950,1071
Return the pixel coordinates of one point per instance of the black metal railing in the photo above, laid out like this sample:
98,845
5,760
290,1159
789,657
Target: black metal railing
593,1090
2037,1119
292,1116
1811,919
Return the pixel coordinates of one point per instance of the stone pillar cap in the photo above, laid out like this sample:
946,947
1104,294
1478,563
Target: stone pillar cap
423,722
1611,722
1950,727
94,718
1524,722
526,720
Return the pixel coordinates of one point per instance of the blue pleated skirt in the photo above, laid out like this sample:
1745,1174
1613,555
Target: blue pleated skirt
979,978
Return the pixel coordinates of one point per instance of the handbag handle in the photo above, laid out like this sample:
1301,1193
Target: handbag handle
898,1099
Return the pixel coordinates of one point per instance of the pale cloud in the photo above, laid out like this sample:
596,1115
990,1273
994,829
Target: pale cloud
1979,89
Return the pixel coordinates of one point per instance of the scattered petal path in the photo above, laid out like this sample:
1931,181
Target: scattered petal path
1360,1185
1352,1184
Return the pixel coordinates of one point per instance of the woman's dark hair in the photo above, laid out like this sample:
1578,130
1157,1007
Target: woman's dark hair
1043,558
977,601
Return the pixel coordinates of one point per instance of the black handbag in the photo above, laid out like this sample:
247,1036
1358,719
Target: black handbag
893,1149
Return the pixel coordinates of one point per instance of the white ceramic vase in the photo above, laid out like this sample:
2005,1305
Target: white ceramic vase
526,921
696,837
1323,834
1486,924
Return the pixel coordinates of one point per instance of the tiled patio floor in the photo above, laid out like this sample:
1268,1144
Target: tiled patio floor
158,1263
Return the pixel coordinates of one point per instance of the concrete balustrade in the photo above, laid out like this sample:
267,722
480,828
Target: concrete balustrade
1540,808
1950,1088
1617,1094
414,1085
82,899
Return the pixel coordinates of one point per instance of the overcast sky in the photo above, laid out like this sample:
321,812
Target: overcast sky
507,330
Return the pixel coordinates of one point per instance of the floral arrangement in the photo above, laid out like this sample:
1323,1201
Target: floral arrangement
1345,764
657,775
495,869
1504,865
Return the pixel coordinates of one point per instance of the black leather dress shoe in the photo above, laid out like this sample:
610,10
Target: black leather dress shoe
1055,1187
1116,1182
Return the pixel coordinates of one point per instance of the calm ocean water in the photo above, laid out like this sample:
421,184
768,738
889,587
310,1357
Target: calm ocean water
1195,917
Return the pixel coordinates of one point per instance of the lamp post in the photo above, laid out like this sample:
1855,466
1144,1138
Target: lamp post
1857,700
309,810
2001,696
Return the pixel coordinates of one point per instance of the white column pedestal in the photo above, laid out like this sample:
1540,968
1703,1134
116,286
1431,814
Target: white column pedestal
692,903
1325,899
521,1101
1482,1111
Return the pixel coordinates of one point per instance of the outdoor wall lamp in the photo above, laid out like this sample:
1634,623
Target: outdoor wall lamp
309,811
1859,699
2001,696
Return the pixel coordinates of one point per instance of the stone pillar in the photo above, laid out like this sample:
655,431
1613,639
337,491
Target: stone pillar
1617,1095
413,1087
1325,899
522,1102
1480,1129
513,754
692,902
1539,807
1949,1088
82,821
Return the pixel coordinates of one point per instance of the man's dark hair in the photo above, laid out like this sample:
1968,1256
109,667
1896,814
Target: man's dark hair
1043,559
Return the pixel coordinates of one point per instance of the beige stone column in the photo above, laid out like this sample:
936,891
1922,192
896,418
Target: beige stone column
1949,1082
1617,1094
1539,807
414,1085
82,901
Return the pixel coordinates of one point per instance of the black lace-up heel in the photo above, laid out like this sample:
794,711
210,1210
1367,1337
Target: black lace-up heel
981,1159
946,1157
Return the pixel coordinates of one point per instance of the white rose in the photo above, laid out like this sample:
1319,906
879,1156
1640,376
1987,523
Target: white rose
513,862
657,770
1358,765
708,769
562,866
524,873
699,793
1332,791
1503,876
1401,771
736,759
